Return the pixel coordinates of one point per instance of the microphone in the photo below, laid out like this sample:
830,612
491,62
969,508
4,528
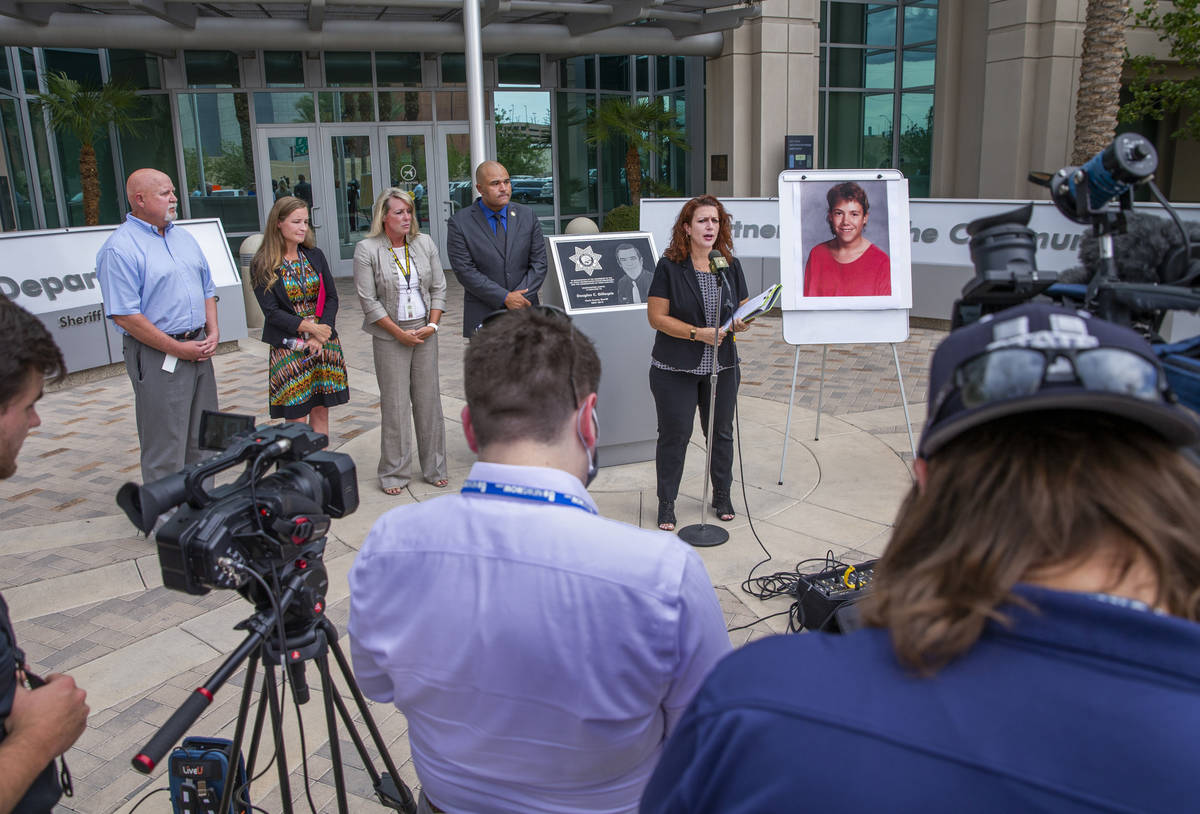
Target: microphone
717,263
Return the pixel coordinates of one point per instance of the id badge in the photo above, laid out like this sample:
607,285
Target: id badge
409,310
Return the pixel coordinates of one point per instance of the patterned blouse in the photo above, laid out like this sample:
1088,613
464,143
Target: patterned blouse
710,287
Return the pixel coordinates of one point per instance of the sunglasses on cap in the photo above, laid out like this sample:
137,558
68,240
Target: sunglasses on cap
1010,373
554,313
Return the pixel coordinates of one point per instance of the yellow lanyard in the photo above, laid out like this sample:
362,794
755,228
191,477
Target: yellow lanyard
405,269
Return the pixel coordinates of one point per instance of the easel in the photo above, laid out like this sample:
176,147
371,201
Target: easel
787,429
802,328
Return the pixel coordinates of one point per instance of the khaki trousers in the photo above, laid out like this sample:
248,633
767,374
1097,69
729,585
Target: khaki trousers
409,393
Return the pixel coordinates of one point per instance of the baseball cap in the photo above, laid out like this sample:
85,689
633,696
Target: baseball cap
1037,357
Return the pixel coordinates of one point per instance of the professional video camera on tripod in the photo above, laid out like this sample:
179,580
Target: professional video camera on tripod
1003,251
263,536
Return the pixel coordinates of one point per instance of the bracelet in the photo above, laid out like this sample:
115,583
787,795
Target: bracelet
433,325
693,334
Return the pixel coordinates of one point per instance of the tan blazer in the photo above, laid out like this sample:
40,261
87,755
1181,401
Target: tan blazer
379,286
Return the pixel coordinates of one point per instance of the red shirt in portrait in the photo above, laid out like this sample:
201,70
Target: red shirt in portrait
868,276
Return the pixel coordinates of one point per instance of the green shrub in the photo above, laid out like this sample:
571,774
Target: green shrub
624,218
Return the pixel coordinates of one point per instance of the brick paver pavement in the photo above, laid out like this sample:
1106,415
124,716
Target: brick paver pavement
71,467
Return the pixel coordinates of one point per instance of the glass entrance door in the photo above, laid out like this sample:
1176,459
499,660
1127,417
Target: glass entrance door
409,169
459,185
342,168
291,168
350,191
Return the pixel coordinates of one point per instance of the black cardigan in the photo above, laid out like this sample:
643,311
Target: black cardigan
677,283
280,319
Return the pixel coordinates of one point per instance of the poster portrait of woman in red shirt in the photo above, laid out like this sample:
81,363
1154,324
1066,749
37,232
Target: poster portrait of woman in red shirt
848,265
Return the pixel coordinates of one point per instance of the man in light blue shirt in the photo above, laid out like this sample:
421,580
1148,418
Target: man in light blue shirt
159,292
541,653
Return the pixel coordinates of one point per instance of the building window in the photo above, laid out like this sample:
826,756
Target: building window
348,69
576,158
454,69
135,68
218,165
16,206
523,147
151,143
41,151
577,72
283,69
519,71
395,69
212,69
876,85
80,64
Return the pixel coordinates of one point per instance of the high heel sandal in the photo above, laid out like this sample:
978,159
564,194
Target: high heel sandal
722,505
666,515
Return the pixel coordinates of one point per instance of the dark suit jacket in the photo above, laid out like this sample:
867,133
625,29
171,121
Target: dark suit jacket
677,283
280,319
490,265
625,288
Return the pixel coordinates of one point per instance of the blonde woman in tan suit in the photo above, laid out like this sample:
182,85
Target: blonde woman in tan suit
402,289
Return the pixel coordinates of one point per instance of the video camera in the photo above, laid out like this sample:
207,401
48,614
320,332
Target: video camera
1003,247
256,525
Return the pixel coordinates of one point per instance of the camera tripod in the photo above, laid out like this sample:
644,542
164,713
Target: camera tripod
312,642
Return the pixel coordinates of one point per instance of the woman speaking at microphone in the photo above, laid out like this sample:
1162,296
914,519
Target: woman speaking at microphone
689,294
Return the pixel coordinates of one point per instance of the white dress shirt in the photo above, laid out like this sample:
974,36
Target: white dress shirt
540,652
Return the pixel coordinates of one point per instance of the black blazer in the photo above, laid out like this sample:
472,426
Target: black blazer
280,319
677,283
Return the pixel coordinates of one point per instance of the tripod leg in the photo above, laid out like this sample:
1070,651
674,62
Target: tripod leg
335,746
820,393
904,401
787,425
256,734
239,730
405,798
272,691
348,722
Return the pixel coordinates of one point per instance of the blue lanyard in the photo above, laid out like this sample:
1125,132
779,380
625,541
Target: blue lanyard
485,487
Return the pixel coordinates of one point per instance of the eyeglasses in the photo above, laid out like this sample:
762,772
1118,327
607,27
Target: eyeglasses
1009,373
556,314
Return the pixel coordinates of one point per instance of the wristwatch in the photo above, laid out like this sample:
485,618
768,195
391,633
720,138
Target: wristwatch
433,325
692,336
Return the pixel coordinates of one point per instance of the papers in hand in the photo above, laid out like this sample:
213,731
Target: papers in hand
755,306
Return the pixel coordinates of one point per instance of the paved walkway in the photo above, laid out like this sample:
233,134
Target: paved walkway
87,595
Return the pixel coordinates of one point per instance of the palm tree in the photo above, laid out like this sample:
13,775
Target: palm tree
1098,99
643,125
86,112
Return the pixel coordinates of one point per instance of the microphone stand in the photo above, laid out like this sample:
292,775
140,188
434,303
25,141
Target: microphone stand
705,535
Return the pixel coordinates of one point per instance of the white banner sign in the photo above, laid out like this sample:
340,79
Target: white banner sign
52,273
937,227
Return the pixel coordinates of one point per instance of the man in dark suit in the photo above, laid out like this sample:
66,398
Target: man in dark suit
634,285
496,249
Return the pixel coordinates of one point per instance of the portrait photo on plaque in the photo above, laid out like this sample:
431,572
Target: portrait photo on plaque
604,271
848,241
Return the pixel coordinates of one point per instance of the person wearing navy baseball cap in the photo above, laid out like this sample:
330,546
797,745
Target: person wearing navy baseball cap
1032,639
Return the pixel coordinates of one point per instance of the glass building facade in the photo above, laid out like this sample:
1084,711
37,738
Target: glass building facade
226,125
876,87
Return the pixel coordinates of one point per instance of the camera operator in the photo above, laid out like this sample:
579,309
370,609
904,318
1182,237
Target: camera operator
541,653
1034,643
40,723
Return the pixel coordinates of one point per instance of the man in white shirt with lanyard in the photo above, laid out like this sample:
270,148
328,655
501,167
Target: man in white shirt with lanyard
541,653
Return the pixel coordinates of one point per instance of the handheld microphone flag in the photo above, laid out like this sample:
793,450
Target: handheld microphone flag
717,262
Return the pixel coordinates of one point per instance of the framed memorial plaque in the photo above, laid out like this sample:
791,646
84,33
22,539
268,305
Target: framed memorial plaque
607,271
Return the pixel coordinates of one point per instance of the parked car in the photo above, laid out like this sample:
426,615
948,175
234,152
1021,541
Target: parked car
527,189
